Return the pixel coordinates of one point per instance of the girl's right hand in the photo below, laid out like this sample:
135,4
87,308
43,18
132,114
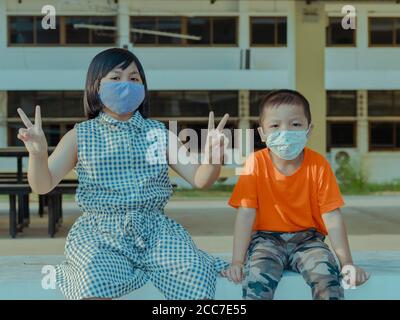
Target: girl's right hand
33,135
234,273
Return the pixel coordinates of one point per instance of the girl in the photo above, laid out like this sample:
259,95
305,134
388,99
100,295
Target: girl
123,238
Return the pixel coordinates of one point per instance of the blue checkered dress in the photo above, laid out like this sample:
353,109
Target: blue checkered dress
123,238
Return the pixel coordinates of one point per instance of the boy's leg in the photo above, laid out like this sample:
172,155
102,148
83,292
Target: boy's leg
266,259
313,259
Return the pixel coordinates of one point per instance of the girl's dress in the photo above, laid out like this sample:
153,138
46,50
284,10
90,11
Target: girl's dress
123,238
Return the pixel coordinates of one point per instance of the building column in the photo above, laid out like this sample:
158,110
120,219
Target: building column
123,25
362,122
3,117
306,44
244,109
244,24
3,25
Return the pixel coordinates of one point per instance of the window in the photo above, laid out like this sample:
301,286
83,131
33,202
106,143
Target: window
384,136
211,30
47,36
171,25
200,127
28,30
255,100
337,36
341,103
21,30
341,134
193,103
384,31
258,143
200,27
60,111
59,104
223,31
384,103
268,31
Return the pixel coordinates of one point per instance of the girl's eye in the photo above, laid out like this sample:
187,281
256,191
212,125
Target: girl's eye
274,126
135,79
297,124
115,78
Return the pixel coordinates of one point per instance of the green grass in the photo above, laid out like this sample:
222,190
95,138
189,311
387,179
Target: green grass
217,191
371,188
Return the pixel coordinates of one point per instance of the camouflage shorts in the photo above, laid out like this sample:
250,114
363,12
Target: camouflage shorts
305,252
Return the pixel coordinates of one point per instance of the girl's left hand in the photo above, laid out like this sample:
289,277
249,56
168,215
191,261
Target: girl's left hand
215,143
234,273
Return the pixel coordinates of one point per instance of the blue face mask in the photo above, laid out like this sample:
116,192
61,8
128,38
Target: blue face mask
287,144
121,97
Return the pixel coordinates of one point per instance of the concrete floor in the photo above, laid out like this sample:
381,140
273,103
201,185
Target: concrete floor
373,223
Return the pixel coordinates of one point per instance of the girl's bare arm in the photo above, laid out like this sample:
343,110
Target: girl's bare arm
200,175
44,173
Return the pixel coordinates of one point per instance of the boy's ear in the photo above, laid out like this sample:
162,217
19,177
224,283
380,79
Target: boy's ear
261,133
310,129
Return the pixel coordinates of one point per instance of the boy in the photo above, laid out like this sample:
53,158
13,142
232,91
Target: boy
288,201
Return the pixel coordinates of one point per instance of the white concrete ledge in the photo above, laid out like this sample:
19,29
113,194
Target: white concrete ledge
21,278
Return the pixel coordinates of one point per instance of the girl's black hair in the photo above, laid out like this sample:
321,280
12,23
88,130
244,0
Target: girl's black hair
100,66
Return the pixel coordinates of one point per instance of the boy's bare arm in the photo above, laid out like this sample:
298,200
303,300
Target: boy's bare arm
337,233
242,233
241,240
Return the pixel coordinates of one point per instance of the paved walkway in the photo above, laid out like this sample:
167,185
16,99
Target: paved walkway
373,223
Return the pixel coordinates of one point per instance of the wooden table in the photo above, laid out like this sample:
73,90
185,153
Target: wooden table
23,201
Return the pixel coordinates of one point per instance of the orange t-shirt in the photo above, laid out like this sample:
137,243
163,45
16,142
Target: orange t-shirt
287,203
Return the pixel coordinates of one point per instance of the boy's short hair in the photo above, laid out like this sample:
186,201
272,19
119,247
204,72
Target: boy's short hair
284,96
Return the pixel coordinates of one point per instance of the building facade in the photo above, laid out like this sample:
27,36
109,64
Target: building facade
244,48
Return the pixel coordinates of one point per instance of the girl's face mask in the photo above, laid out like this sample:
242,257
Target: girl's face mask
287,144
121,97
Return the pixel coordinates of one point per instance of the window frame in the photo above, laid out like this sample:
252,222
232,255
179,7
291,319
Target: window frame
62,33
394,44
184,28
344,121
328,35
275,45
394,124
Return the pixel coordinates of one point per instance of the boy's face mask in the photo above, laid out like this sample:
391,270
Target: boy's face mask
287,144
121,96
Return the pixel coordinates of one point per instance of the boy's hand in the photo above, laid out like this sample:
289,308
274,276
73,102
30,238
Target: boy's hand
361,276
234,273
215,143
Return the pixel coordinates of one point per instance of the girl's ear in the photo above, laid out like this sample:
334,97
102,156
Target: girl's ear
261,133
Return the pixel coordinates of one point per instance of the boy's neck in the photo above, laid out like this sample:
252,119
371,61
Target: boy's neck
286,166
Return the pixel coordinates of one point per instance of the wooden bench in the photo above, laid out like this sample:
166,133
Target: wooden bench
54,198
17,218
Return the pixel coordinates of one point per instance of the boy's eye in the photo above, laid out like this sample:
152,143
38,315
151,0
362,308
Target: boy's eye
273,126
297,124
134,79
115,78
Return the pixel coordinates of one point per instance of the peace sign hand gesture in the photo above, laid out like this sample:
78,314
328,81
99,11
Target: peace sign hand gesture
215,143
33,135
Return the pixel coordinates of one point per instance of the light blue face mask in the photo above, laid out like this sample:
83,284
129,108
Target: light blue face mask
287,144
121,96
